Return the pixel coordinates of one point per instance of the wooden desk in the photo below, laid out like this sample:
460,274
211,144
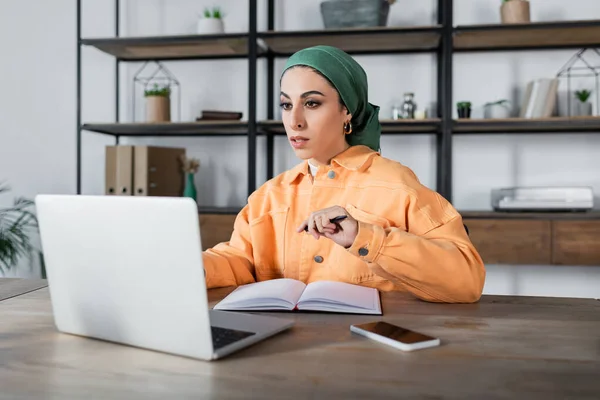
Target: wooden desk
502,347
11,287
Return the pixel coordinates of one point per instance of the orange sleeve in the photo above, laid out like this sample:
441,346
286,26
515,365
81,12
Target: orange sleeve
439,264
231,263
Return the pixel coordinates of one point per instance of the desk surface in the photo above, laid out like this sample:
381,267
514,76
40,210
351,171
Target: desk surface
502,347
11,287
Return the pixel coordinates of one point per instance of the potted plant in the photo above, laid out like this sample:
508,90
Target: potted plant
583,107
211,21
464,109
515,12
158,103
497,110
338,14
17,222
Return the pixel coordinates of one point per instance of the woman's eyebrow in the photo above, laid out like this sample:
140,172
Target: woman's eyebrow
305,94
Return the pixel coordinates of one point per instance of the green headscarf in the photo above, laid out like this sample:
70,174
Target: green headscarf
350,80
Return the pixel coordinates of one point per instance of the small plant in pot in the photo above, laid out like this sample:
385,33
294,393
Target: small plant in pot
515,12
583,107
497,110
464,109
158,103
211,21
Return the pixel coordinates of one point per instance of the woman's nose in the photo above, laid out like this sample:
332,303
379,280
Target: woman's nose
297,121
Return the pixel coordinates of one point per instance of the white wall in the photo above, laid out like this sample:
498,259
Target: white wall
41,64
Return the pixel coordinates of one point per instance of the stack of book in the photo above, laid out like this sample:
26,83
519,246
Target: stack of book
540,99
212,115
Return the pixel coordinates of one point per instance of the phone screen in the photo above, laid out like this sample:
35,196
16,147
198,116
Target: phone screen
395,332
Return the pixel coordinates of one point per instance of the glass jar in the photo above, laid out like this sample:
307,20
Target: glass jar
409,106
396,112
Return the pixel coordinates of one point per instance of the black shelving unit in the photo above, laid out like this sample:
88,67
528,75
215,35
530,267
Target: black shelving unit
443,39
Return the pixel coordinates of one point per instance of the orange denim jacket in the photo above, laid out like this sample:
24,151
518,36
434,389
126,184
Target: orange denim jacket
414,239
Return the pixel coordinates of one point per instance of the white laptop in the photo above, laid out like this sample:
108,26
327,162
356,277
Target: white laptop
129,270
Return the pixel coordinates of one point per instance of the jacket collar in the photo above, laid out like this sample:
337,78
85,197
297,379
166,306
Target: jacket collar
352,159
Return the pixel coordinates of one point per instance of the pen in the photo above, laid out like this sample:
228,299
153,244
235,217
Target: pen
334,220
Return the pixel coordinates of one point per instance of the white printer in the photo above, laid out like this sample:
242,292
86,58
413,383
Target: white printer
559,198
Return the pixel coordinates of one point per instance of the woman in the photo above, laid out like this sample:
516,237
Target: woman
394,233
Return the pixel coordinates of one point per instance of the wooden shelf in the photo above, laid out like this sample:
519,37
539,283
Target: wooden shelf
356,41
173,47
171,129
528,125
536,35
388,126
583,215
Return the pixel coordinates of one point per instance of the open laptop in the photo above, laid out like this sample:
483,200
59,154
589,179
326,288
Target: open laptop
129,269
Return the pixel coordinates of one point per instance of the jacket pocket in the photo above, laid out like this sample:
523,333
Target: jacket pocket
367,217
268,236
348,267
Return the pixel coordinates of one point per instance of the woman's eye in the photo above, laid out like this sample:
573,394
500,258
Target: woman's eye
285,106
311,104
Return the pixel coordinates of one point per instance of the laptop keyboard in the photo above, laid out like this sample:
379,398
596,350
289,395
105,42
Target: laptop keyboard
221,337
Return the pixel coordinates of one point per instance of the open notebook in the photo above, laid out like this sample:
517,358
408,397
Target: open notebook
290,294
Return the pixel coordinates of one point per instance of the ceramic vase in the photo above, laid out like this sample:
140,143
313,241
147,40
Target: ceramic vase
210,26
190,187
515,12
158,109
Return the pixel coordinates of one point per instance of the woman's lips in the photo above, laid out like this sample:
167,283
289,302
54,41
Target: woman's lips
298,141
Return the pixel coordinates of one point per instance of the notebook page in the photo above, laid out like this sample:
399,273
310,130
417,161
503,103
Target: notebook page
342,295
265,293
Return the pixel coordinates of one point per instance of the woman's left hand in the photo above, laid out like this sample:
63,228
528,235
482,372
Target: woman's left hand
343,232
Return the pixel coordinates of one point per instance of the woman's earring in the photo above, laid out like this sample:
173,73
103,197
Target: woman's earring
348,128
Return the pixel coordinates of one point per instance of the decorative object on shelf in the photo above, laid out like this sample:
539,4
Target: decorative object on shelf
515,12
583,106
409,106
17,223
539,99
464,109
158,104
396,112
497,110
211,22
158,88
585,67
190,167
355,13
215,115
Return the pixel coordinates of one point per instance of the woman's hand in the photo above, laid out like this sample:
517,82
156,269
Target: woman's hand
342,232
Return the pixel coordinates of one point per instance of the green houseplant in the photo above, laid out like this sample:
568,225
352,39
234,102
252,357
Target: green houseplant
583,107
17,222
211,21
499,109
464,109
158,103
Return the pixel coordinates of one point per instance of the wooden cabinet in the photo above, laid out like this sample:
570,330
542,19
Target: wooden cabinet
511,241
576,242
536,238
500,238
216,228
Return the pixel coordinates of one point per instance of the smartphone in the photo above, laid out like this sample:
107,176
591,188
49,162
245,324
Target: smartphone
395,336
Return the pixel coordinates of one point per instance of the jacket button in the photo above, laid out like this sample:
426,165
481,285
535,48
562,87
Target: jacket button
363,252
318,259
331,174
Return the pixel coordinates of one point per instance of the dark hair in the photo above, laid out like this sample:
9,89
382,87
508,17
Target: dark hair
324,77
